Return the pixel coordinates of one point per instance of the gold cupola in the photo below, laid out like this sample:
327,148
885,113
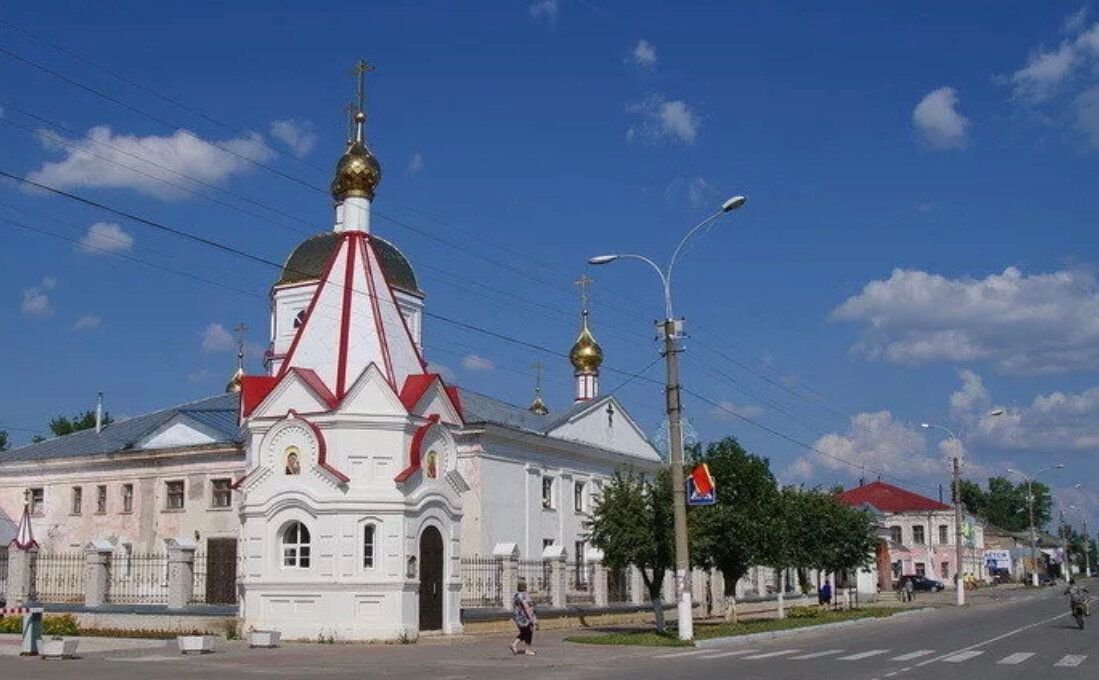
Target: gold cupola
586,355
238,375
357,172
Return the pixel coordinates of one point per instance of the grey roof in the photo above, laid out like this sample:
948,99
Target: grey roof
8,529
217,413
308,260
479,408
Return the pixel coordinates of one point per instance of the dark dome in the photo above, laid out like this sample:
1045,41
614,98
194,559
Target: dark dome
309,259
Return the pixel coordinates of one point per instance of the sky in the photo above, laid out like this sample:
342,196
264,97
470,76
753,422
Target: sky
918,245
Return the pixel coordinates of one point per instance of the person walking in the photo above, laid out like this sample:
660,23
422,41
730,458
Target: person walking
824,595
909,590
525,619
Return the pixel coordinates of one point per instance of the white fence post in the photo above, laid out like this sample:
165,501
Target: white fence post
181,572
97,577
20,575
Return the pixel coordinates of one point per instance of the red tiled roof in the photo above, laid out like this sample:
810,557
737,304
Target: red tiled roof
889,498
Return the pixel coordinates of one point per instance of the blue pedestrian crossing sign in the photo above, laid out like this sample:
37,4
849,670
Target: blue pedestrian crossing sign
701,489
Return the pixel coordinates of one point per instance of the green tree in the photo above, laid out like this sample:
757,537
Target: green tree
735,533
4,443
632,524
61,426
1005,504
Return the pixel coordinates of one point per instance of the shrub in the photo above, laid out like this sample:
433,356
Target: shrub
52,624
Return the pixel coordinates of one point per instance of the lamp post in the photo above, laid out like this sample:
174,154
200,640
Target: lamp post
959,551
1087,539
671,330
1030,508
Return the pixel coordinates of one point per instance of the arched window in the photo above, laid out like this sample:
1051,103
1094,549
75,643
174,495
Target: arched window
368,546
299,319
295,546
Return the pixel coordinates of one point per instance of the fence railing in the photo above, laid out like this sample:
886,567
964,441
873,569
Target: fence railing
215,579
619,586
57,577
138,579
536,574
579,583
482,581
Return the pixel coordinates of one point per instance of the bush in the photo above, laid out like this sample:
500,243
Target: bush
805,613
52,624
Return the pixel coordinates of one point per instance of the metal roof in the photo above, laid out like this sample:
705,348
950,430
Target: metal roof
479,408
308,260
217,413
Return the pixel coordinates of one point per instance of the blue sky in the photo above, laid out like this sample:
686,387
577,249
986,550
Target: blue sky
919,241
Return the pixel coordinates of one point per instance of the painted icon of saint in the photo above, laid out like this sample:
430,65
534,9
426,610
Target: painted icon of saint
293,465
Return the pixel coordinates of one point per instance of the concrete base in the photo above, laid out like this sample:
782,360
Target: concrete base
266,639
196,644
57,648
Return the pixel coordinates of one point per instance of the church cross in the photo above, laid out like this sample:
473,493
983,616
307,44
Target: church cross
583,283
239,329
537,366
610,415
360,71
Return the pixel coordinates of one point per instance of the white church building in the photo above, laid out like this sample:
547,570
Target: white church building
348,480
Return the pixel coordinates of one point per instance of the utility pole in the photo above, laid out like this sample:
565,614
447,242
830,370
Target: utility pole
1087,549
1064,547
685,620
959,552
1033,534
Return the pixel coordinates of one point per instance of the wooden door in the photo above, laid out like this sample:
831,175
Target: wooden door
431,579
221,571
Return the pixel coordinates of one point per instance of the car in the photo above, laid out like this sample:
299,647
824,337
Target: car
921,583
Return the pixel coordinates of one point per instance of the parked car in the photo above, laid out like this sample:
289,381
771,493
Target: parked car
1000,575
920,583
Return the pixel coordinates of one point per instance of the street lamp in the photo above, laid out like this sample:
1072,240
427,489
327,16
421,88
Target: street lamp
1030,507
672,330
959,552
1087,538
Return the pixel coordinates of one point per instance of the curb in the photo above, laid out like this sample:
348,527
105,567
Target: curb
738,640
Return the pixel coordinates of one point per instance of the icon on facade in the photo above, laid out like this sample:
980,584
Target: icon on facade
293,463
431,465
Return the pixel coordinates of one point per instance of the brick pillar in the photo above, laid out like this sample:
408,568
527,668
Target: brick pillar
639,594
20,576
181,572
600,595
508,556
554,557
97,577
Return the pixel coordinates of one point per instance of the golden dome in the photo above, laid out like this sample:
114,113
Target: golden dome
586,355
234,383
357,172
538,406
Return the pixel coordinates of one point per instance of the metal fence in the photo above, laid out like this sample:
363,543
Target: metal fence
57,577
138,579
215,579
619,585
536,573
482,581
579,583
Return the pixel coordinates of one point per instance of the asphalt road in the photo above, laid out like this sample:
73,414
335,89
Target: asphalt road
1031,635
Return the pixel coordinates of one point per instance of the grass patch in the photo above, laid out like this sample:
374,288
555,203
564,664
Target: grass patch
705,631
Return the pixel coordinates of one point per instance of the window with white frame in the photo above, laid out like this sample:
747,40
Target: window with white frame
77,500
895,534
295,546
918,535
547,493
38,501
127,498
369,536
578,496
222,496
101,498
944,534
174,495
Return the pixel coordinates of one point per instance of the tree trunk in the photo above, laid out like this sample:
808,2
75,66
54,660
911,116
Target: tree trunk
730,608
658,613
782,594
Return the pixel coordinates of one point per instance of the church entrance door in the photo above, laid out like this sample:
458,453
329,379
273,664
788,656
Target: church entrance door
221,571
431,579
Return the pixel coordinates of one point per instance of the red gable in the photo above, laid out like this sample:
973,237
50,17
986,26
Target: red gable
889,498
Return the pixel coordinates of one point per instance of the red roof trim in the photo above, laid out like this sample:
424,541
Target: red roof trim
889,498
416,386
456,399
309,311
322,451
315,383
253,390
404,321
414,448
345,317
383,342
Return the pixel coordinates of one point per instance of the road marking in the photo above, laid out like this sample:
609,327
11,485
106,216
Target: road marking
768,655
1015,659
1071,661
913,655
863,655
676,655
817,655
725,654
963,656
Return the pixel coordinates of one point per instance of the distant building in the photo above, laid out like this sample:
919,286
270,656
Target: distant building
917,534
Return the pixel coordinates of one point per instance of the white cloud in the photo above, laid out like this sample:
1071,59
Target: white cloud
87,322
104,238
644,54
416,163
298,136
1087,115
875,443
1048,70
1023,324
217,339
474,362
104,159
1075,21
938,121
36,302
728,411
547,10
695,191
663,119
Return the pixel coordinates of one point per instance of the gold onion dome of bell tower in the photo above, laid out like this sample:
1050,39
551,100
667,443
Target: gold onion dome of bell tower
357,172
586,355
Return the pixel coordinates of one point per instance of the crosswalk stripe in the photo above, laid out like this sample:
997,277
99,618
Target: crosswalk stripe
963,656
768,655
817,655
676,655
913,655
725,654
863,655
1016,658
1071,661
